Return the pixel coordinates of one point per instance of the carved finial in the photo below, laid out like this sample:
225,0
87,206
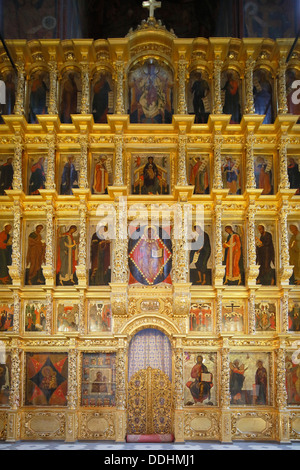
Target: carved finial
151,5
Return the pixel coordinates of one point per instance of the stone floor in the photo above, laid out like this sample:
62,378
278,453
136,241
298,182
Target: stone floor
108,447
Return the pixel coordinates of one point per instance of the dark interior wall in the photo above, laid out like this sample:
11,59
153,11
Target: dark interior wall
64,19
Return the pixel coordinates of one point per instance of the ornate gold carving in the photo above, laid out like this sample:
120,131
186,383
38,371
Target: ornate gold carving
149,403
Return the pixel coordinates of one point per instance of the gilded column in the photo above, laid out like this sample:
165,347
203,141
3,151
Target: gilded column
251,312
282,98
252,268
53,75
218,141
17,162
15,393
71,418
178,392
285,311
15,270
286,270
121,391
225,392
50,177
85,81
119,172
49,312
120,262
218,108
17,312
83,177
182,74
119,68
81,269
219,269
81,320
20,95
249,107
250,174
182,147
281,393
219,312
283,143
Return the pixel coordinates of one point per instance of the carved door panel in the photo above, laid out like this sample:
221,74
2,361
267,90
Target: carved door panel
150,403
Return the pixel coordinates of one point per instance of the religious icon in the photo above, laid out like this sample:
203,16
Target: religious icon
5,253
265,256
292,75
46,379
99,317
265,315
266,19
200,272
294,174
102,100
39,88
36,251
233,316
263,95
264,174
67,316
6,317
37,172
200,371
231,95
294,251
71,86
231,172
67,248
200,97
98,384
150,255
69,174
150,88
5,378
201,317
199,175
150,174
102,171
100,273
249,377
233,255
35,316
10,96
294,316
6,174
292,369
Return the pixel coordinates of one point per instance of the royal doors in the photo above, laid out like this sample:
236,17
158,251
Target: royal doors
150,404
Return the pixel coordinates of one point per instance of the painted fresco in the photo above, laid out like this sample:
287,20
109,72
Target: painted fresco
6,316
35,253
101,173
250,378
150,94
150,174
98,386
150,255
233,257
201,317
199,173
99,317
5,252
46,379
200,379
35,316
233,316
67,255
265,315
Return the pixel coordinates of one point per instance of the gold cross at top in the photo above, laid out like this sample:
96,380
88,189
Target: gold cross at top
151,5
